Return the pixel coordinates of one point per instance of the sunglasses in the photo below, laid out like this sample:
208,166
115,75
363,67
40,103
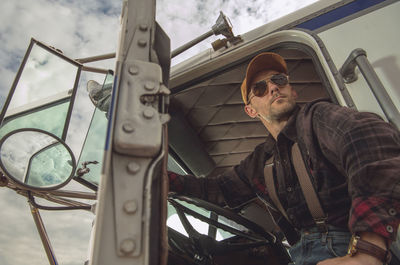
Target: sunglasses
261,87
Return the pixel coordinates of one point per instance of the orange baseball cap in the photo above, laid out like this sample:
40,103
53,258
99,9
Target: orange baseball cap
262,62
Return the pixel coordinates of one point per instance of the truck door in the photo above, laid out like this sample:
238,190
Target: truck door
130,218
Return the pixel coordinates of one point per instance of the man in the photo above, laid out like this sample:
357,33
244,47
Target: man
353,158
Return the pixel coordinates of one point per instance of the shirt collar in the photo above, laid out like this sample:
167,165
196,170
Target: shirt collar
289,131
290,128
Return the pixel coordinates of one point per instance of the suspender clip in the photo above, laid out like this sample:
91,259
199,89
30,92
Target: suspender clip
321,224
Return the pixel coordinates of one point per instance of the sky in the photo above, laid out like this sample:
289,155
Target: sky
83,29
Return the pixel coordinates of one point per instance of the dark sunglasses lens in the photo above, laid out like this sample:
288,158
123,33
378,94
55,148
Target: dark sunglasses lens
280,79
259,88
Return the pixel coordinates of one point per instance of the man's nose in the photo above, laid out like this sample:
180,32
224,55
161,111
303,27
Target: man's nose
272,88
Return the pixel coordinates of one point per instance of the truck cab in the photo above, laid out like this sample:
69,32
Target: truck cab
187,119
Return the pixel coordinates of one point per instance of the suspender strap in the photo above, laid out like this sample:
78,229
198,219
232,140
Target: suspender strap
270,185
307,187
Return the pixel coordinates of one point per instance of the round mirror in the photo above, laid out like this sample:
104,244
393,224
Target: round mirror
36,159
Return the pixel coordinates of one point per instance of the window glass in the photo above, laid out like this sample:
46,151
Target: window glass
174,166
93,148
174,222
50,166
45,74
50,118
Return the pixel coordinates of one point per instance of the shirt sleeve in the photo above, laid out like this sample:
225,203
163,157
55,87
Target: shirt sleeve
204,188
367,150
235,188
226,189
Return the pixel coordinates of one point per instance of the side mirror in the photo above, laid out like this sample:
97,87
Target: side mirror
36,159
42,92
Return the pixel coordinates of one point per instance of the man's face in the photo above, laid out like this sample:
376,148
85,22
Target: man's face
277,103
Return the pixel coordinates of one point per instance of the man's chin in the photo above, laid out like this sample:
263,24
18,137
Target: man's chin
282,110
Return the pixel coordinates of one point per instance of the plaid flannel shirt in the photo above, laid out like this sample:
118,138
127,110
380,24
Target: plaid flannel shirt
355,168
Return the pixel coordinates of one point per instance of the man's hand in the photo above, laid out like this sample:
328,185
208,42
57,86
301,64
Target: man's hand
358,259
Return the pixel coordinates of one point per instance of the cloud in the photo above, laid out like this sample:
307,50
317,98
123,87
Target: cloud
78,28
185,20
82,29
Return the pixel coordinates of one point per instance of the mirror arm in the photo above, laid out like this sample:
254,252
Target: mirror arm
32,201
95,69
43,235
96,58
62,201
74,194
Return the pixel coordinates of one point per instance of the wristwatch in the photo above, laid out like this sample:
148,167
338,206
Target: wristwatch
358,245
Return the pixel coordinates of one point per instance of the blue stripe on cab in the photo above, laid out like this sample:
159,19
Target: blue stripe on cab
339,13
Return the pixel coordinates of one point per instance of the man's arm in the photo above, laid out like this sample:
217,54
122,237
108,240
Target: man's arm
367,150
199,187
225,189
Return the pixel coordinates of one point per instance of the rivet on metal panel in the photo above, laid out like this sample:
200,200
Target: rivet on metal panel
143,27
148,113
133,70
128,128
133,167
149,85
130,207
127,246
142,43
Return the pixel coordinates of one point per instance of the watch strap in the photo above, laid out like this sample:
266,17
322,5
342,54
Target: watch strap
373,250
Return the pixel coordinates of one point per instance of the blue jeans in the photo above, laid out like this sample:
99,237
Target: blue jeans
315,246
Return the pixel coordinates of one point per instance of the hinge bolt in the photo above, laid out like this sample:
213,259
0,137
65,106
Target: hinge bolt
133,70
148,113
133,167
127,246
128,128
143,27
130,207
142,43
149,85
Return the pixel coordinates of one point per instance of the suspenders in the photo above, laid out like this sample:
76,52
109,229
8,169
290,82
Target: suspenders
270,184
306,185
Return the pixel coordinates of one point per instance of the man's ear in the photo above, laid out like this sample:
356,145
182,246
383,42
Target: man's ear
250,111
294,93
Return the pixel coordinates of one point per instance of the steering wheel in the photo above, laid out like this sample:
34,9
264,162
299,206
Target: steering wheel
202,247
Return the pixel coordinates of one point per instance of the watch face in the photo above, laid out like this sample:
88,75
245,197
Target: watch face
352,250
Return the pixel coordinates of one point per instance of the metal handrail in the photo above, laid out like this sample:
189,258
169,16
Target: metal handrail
358,57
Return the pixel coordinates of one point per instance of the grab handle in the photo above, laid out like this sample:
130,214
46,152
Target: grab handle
358,57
